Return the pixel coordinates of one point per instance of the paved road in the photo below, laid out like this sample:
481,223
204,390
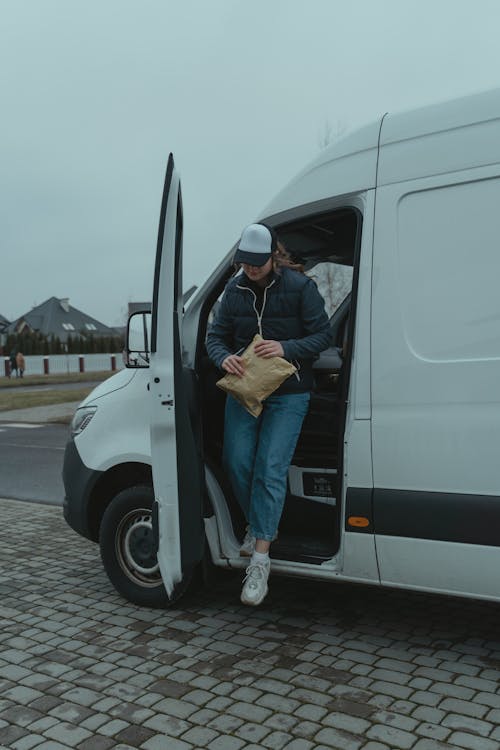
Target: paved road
316,667
31,460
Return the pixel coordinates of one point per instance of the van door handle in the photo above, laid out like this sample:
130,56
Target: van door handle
170,402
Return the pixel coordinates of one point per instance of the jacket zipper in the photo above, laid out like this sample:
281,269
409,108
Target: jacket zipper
259,317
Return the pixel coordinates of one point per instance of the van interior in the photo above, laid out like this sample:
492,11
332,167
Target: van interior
328,247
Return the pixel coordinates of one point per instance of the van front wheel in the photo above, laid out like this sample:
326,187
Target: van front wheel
128,552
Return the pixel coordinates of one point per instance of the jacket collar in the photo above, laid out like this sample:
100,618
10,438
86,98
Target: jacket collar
244,281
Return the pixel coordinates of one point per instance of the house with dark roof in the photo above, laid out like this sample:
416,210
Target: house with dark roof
56,317
3,325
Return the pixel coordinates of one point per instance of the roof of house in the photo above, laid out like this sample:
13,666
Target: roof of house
3,322
57,317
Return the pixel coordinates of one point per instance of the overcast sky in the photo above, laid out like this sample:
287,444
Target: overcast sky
95,93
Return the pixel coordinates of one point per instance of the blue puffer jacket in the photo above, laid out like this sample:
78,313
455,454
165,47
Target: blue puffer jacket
292,312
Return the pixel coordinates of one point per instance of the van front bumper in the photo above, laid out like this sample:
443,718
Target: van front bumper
79,482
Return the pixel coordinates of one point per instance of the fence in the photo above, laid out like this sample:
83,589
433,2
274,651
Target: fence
59,364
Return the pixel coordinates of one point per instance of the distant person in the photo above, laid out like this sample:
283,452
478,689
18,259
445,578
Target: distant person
20,364
13,363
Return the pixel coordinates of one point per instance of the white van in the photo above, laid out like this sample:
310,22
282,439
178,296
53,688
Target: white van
396,476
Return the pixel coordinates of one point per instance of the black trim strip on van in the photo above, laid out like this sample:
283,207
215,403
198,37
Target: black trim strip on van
444,516
438,516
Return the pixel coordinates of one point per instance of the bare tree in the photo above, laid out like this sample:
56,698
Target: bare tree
334,281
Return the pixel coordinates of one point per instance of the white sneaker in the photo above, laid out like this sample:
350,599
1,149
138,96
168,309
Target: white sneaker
255,585
248,544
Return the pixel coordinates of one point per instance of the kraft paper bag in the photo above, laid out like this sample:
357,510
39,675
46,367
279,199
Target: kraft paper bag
262,377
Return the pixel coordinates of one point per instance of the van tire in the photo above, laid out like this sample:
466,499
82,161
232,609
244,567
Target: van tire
127,550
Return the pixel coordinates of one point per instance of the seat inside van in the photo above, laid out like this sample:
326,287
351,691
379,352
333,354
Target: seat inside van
309,531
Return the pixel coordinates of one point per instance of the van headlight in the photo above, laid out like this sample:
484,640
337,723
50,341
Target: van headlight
81,419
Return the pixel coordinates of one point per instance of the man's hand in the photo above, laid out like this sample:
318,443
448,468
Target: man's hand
269,348
234,365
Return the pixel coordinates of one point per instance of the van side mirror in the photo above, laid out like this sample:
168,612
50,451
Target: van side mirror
138,340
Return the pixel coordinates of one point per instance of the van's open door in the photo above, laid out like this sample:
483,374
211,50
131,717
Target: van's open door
177,465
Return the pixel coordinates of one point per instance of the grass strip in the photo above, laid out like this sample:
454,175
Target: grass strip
56,379
28,399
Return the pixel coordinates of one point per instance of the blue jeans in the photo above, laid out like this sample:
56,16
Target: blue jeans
257,455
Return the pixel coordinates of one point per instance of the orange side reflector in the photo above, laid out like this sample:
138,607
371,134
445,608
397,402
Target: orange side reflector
358,521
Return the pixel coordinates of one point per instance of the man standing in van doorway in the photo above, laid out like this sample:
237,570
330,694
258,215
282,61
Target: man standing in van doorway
274,298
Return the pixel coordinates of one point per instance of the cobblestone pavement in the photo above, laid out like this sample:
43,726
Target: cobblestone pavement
316,667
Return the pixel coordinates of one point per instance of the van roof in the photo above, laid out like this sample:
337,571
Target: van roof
349,165
442,116
447,137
